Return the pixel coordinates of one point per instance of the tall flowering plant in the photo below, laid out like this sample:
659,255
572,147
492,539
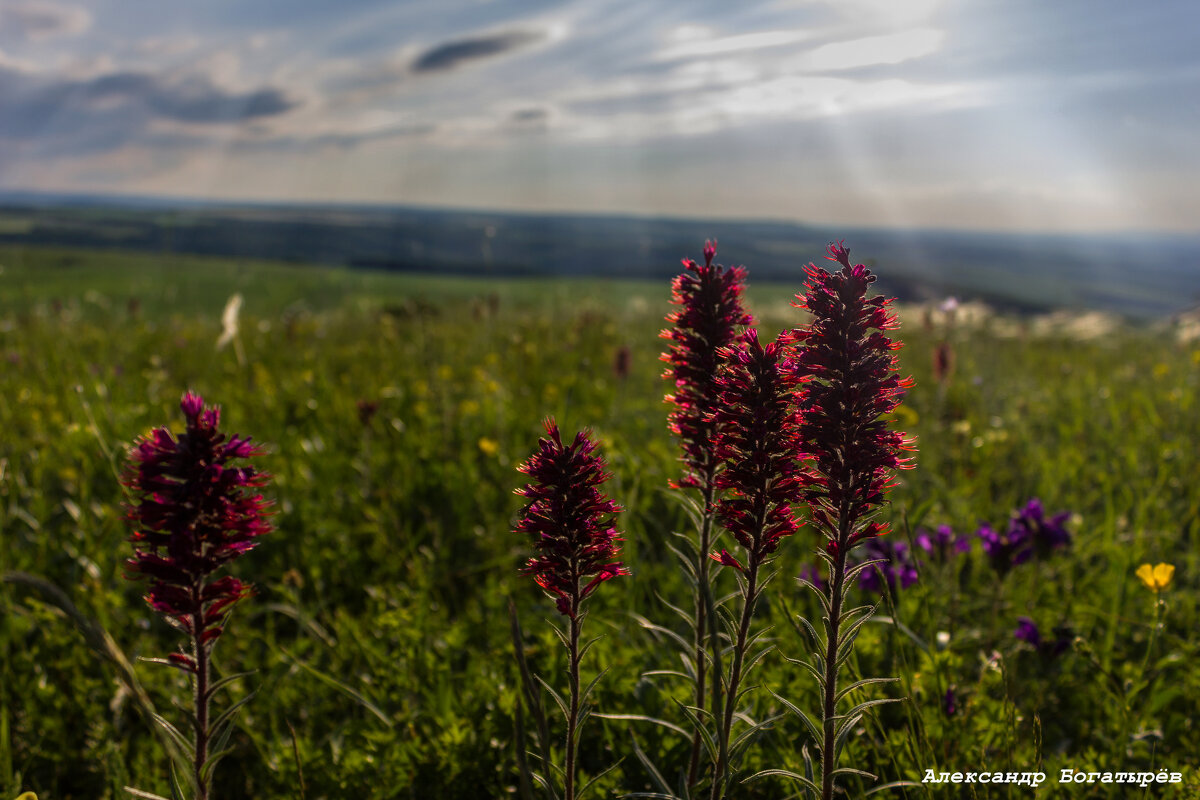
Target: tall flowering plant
194,507
572,525
847,373
758,442
708,320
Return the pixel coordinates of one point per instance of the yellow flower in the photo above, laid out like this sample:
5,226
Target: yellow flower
488,446
1157,577
27,796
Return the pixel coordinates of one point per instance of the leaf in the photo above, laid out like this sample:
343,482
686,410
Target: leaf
783,773
685,645
860,684
892,785
223,682
130,789
655,775
562,705
181,741
597,777
754,730
813,728
341,687
642,718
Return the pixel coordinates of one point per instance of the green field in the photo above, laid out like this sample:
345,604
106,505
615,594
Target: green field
379,640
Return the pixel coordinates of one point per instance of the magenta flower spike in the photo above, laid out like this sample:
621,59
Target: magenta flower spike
759,445
710,315
194,507
847,373
763,476
571,522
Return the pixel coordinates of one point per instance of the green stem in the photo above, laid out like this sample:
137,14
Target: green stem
573,716
701,629
200,652
735,678
837,586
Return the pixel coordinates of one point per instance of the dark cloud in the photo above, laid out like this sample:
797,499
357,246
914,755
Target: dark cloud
39,20
47,118
31,106
527,115
455,53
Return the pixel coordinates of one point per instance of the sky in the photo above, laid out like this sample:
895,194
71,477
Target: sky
1016,115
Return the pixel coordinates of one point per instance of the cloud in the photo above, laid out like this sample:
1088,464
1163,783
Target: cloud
453,54
40,20
31,105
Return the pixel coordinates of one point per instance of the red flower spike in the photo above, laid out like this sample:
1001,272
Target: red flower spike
846,370
570,520
758,442
193,510
710,314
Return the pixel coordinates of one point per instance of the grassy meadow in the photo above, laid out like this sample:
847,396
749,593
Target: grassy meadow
395,409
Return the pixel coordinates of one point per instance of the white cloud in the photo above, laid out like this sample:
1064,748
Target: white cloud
892,48
691,42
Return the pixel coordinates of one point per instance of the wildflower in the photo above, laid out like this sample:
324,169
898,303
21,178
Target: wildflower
1027,631
942,544
812,574
897,566
367,409
570,520
711,312
1045,535
1157,577
848,384
622,361
950,702
758,444
1005,550
943,362
194,511
848,381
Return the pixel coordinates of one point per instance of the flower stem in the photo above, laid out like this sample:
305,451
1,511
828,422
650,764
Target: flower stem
573,717
200,653
735,677
837,587
702,591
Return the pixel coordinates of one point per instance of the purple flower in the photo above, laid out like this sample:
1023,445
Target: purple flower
847,372
942,544
812,574
709,318
950,703
194,509
758,443
1005,550
1027,631
570,520
898,566
1046,535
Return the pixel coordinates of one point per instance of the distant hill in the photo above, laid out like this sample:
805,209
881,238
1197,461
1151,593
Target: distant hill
1135,275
